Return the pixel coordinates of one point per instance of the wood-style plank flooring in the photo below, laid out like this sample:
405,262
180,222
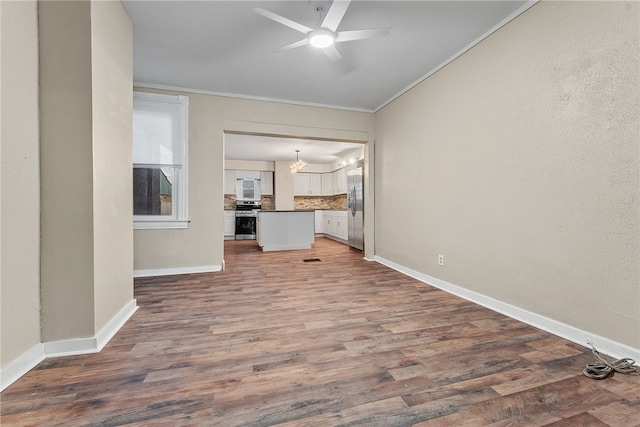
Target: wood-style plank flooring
275,340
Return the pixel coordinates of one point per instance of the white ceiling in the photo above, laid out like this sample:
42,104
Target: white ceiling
264,148
224,48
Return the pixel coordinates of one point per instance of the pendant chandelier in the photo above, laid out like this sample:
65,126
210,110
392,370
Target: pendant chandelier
298,165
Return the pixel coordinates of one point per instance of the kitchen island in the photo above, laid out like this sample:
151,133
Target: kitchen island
285,230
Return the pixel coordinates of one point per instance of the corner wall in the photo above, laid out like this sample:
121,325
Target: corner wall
66,170
521,159
20,185
85,127
112,88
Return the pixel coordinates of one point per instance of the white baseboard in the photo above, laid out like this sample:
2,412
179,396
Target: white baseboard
37,354
571,333
21,365
177,270
71,347
91,344
113,326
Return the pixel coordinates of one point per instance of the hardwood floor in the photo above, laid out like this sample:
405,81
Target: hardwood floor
275,340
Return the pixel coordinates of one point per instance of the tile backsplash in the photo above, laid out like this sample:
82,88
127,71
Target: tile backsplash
335,203
230,202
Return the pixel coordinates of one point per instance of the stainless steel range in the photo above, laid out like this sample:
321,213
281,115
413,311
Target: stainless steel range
246,218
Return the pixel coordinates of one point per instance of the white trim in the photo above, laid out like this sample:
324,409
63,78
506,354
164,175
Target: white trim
571,333
116,323
20,366
71,347
157,97
179,218
177,270
29,360
249,97
156,225
92,344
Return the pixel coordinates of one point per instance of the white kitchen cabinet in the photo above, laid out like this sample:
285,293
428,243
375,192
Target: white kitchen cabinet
329,224
229,225
300,184
327,184
343,231
315,184
319,221
266,183
307,184
229,181
285,230
335,225
339,180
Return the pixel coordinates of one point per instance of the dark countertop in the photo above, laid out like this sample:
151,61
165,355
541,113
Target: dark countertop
295,210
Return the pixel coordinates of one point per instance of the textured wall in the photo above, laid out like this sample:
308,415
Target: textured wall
112,103
521,159
20,180
66,171
86,176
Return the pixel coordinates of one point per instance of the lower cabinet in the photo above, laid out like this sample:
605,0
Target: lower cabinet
335,224
319,222
229,225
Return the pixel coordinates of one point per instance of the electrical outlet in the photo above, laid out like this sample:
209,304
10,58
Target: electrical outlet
441,260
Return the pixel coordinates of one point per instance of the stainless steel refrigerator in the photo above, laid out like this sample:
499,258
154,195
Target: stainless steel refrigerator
355,204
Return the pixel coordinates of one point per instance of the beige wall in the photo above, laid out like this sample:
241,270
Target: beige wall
85,104
283,186
521,157
66,170
20,182
201,245
112,88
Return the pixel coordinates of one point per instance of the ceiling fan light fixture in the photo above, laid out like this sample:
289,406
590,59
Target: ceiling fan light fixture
321,38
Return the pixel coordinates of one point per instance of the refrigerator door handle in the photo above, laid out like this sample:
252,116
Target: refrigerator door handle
353,200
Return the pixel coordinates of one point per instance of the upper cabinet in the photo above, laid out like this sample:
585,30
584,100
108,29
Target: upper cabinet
229,181
315,184
304,183
327,184
320,184
307,184
265,177
266,183
339,180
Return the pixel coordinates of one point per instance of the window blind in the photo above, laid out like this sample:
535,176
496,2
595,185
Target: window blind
157,133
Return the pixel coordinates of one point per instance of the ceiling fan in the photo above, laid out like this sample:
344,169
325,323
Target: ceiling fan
325,36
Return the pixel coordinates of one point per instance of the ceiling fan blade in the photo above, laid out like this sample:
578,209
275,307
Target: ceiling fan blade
335,14
332,53
346,36
291,45
282,20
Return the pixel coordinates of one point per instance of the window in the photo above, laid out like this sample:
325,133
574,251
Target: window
160,133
